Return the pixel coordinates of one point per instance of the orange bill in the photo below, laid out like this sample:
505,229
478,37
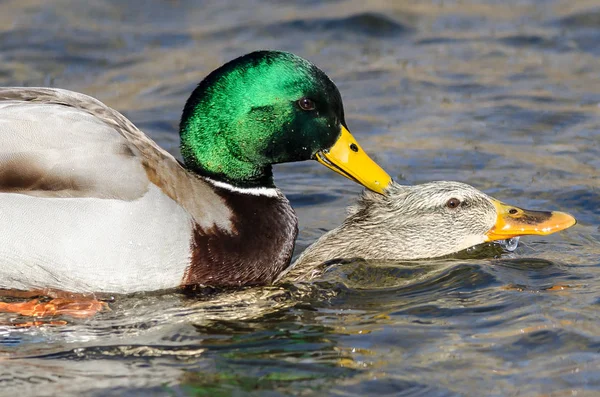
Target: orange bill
347,158
512,221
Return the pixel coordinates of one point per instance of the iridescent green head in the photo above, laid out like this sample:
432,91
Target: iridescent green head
263,108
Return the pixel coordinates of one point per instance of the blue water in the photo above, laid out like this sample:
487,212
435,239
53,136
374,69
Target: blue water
502,95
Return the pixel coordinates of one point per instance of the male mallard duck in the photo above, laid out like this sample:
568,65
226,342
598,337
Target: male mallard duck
423,221
88,203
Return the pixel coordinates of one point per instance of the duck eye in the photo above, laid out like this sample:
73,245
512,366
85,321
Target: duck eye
453,203
306,104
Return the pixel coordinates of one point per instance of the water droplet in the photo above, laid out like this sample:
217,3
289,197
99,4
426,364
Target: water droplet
510,244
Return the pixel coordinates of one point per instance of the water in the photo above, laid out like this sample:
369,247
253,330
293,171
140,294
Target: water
503,96
510,244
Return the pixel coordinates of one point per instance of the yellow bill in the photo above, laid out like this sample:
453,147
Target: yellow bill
512,221
347,158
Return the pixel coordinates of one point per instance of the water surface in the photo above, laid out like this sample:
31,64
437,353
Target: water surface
503,96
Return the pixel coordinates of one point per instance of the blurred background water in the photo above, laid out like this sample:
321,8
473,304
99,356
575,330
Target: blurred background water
502,95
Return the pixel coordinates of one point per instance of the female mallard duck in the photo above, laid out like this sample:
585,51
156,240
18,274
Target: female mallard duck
423,221
88,203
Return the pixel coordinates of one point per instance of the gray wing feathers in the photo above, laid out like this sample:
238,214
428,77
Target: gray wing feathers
59,143
51,147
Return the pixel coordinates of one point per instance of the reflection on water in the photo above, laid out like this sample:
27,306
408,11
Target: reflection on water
504,97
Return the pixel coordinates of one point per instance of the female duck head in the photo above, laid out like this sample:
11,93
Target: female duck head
270,107
441,218
423,221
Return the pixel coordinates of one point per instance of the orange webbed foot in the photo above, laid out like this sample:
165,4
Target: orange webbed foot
58,306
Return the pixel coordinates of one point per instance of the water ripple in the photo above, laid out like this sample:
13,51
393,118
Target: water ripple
502,96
